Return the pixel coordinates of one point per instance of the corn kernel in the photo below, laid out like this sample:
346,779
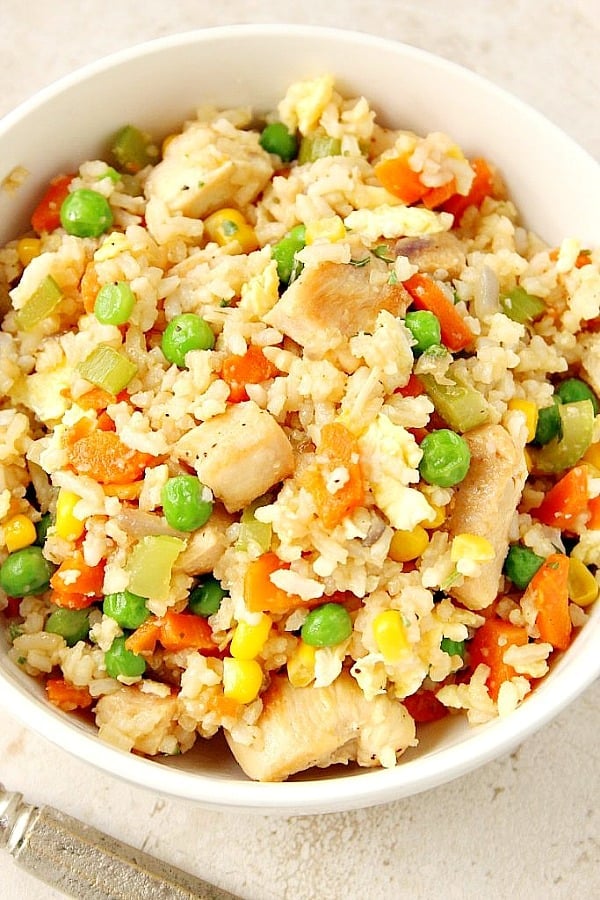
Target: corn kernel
228,226
583,587
248,640
440,517
301,665
530,411
390,635
242,679
329,229
471,547
407,545
68,525
592,455
19,532
27,249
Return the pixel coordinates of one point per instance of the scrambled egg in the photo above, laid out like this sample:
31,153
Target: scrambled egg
305,102
390,457
46,393
396,221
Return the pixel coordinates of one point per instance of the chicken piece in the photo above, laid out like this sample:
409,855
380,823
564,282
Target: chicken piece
134,720
304,727
206,546
331,302
239,454
433,252
205,169
485,503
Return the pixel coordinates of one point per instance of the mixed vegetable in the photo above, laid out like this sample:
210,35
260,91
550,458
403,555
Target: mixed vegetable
439,490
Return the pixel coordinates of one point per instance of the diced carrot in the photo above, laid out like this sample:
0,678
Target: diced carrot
413,388
103,456
98,399
548,590
124,491
80,429
75,576
419,434
186,631
226,707
438,195
565,501
104,422
481,187
67,696
338,450
456,334
396,176
489,644
593,523
583,259
143,639
46,215
72,600
89,287
260,594
425,707
251,368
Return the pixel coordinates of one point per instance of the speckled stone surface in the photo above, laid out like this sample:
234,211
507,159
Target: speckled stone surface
525,826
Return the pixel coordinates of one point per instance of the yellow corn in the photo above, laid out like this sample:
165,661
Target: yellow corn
472,547
28,248
329,229
228,226
301,665
390,635
440,517
530,411
68,525
583,587
242,679
19,532
592,455
248,640
166,143
407,545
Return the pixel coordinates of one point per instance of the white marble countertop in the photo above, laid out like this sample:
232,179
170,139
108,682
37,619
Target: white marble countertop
525,826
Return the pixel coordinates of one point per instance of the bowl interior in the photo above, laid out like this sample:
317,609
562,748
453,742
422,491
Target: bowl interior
554,183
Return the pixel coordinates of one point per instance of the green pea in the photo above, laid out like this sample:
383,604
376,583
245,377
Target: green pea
187,503
276,138
425,328
453,648
572,390
85,213
25,572
446,458
127,609
114,303
72,624
284,254
521,564
327,625
184,333
41,529
205,599
548,424
121,661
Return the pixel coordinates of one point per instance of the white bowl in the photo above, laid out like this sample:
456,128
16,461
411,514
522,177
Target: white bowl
555,184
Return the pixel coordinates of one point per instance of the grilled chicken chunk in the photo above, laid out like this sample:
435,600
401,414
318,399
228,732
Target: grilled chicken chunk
142,722
204,170
304,727
331,302
206,546
485,503
433,252
239,454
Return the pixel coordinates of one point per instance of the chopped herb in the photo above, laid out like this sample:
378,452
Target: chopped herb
359,263
393,279
382,251
14,632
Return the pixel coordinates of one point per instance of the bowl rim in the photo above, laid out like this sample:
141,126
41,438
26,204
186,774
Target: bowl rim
371,787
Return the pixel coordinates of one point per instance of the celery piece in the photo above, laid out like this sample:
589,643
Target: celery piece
108,368
42,302
133,149
252,531
522,307
577,428
460,405
316,146
150,565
